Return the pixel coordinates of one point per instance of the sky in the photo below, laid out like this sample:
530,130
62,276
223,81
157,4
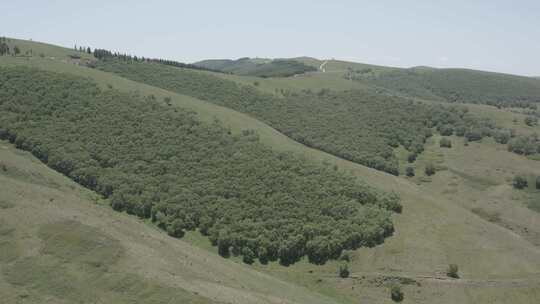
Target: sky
495,35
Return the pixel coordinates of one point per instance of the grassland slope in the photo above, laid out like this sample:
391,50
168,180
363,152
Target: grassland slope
59,243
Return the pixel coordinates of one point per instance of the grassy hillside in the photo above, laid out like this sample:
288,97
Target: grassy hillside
59,243
162,163
370,124
257,67
455,85
45,50
497,265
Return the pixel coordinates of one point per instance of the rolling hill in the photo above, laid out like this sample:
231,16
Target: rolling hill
467,214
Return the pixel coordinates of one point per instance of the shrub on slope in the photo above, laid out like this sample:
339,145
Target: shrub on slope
162,163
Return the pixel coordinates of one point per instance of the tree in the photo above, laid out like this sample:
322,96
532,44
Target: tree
16,50
430,169
88,50
411,157
452,271
409,171
4,49
531,121
445,143
176,228
473,135
538,182
395,293
519,182
345,256
445,130
344,271
502,137
247,255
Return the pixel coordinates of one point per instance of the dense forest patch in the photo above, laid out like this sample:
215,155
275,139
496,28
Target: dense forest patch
360,126
163,163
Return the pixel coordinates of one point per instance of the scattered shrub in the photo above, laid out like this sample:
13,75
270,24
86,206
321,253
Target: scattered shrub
538,182
525,145
395,293
345,256
445,143
502,136
473,135
409,171
411,157
344,271
531,121
452,271
519,182
430,169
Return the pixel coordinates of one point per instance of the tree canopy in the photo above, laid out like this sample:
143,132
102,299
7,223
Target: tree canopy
163,163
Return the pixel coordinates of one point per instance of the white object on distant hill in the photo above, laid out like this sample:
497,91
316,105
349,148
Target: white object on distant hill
321,68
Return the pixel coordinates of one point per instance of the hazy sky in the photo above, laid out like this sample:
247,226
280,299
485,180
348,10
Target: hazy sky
490,35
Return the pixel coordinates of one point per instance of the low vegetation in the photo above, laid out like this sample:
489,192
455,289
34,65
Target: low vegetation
452,271
409,171
162,163
430,169
520,182
396,294
524,144
445,143
344,271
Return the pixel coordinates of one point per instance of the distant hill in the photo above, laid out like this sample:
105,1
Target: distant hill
259,67
453,85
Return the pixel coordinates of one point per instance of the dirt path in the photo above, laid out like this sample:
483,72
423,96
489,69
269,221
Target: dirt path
321,67
380,277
